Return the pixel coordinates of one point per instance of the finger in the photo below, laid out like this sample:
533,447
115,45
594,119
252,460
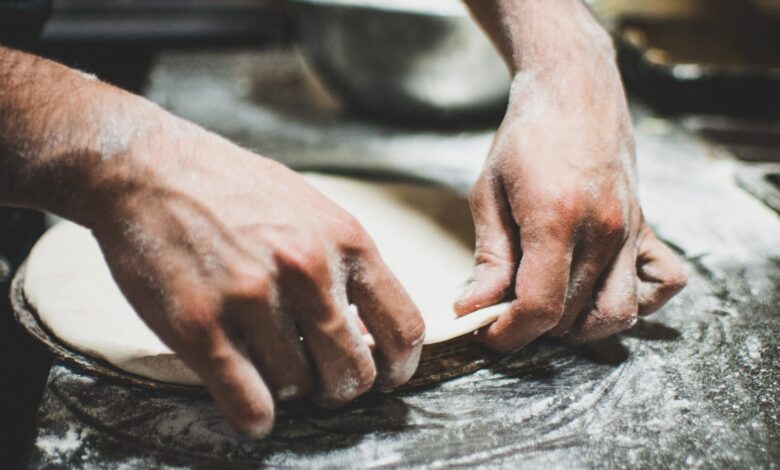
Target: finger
331,334
660,272
390,316
615,307
495,252
541,285
272,342
599,243
590,261
189,326
237,387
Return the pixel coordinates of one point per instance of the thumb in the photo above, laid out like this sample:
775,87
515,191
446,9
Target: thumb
661,275
496,247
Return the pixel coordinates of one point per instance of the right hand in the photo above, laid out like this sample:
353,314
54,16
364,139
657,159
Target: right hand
247,273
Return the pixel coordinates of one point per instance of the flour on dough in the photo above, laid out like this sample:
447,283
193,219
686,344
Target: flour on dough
423,233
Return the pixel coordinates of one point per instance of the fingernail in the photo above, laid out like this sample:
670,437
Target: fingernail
466,292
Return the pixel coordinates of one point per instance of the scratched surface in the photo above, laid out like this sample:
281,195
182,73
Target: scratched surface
695,385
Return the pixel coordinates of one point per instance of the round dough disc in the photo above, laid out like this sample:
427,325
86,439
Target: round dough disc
423,233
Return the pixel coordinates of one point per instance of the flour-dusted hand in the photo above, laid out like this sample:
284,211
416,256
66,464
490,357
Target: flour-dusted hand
248,273
558,222
241,267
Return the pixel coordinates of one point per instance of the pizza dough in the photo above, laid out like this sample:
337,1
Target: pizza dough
423,233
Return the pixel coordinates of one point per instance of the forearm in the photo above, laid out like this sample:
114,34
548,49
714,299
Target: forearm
562,61
542,35
64,135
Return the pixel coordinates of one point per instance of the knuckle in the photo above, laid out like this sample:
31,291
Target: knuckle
217,358
352,229
676,281
611,225
355,239
403,350
549,318
198,325
559,216
491,255
365,379
572,209
621,317
255,421
476,195
568,204
349,385
250,284
304,257
400,371
544,314
411,336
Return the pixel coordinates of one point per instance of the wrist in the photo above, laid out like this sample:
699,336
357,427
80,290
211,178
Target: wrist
167,163
65,137
551,36
129,158
569,64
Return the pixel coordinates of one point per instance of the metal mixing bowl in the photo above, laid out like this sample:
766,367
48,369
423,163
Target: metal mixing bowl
412,61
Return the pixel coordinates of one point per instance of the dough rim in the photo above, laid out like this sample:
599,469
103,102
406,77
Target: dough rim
151,358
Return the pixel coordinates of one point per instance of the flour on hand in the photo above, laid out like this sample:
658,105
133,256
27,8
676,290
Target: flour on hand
423,233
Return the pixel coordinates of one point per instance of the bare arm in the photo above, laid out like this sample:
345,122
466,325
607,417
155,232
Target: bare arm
536,34
229,257
59,129
559,226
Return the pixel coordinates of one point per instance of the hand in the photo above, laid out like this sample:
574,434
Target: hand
240,266
558,222
247,273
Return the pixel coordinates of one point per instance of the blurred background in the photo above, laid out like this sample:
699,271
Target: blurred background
716,59
706,57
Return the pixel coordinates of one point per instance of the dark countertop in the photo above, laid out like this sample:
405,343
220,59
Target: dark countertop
695,385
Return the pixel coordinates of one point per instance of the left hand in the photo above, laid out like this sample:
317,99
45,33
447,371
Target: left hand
558,221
